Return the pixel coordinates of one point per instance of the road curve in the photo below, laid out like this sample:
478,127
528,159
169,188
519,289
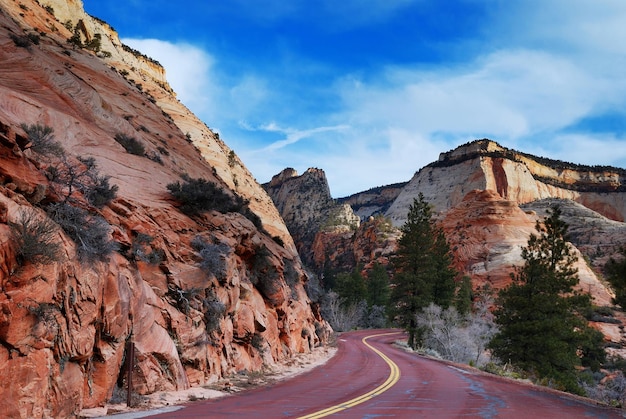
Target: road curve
369,377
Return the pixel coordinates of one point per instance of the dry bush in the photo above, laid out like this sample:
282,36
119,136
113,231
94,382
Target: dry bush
36,237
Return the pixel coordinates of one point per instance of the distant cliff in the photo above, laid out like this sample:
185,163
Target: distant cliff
375,201
485,165
305,203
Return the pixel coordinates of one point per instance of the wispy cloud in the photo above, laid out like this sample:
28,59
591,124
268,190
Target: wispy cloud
291,135
507,94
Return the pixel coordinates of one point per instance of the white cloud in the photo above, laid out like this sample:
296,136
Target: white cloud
544,67
598,149
188,70
506,94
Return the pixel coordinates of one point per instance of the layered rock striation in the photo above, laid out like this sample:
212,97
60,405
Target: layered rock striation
485,165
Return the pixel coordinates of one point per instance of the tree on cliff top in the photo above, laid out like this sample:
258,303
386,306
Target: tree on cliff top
423,269
542,328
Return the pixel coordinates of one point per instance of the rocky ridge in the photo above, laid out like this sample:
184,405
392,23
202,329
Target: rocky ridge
488,199
64,326
375,201
306,206
485,165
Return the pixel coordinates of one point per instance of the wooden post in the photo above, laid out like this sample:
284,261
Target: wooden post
130,362
130,353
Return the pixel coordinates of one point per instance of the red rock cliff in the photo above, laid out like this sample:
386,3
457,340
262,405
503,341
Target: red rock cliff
64,325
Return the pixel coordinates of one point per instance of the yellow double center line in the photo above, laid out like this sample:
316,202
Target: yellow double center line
394,376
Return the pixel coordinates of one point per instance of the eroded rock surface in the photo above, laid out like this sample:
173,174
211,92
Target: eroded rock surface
65,325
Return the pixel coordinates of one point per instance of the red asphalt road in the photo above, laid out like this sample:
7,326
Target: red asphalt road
426,389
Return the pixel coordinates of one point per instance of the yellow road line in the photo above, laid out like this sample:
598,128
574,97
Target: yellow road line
394,376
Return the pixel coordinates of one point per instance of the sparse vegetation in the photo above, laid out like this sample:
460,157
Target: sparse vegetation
232,159
90,233
204,301
36,237
139,54
155,157
141,250
213,310
95,43
198,195
42,139
25,41
75,40
213,257
130,144
616,275
82,175
258,342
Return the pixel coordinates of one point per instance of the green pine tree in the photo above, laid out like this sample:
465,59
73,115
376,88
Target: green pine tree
378,286
542,329
463,298
616,275
423,269
351,286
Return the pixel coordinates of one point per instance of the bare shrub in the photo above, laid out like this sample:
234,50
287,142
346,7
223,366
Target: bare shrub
198,195
342,317
141,250
42,139
258,342
37,238
455,337
213,257
204,301
610,390
214,311
23,41
90,232
82,175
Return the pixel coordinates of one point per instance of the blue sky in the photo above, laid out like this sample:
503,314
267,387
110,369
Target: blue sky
373,90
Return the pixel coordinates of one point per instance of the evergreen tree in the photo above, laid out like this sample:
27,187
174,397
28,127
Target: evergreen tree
351,286
463,299
378,286
616,275
542,329
423,269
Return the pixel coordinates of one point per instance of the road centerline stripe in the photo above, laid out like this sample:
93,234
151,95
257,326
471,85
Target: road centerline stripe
394,376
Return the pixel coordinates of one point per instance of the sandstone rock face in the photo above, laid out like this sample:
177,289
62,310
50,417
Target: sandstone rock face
341,249
306,206
597,237
193,317
487,233
329,235
485,165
